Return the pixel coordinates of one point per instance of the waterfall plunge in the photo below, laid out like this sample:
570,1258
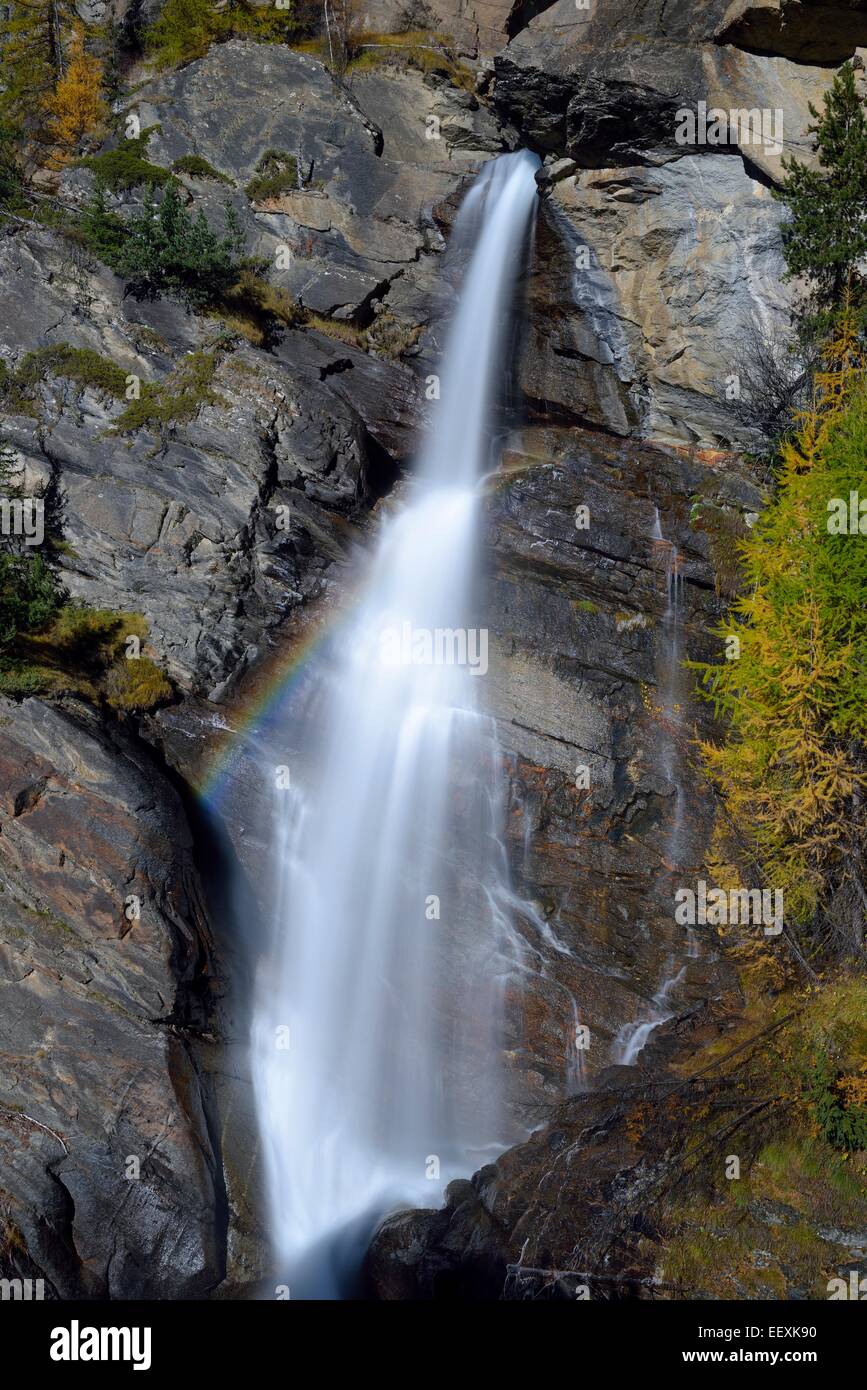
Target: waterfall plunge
376,1022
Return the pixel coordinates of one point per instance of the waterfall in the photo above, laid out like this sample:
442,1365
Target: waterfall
377,1011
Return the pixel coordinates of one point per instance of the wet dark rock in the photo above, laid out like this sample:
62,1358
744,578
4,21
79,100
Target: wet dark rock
557,1217
578,641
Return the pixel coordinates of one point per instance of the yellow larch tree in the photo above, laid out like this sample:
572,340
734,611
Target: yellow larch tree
75,107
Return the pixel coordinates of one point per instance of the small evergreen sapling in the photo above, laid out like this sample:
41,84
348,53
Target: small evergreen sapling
168,251
28,589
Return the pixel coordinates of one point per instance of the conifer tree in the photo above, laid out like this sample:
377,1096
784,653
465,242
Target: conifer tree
183,30
167,251
792,769
10,173
28,589
75,107
8,468
825,241
34,59
103,231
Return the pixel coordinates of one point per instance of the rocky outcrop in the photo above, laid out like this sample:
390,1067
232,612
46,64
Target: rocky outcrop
478,27
604,81
581,653
182,524
807,31
653,280
356,223
661,248
604,85
585,1208
552,1219
110,1173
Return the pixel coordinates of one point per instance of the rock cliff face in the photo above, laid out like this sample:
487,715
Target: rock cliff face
128,1150
112,1181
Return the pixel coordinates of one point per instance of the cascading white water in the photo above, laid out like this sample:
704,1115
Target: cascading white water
633,1037
375,1034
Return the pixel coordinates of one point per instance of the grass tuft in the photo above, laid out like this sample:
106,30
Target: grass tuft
195,167
276,174
176,400
125,167
84,651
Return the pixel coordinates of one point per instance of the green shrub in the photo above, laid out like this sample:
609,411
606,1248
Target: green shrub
125,166
389,336
195,167
186,29
243,19
88,638
29,592
51,646
177,400
276,174
338,329
256,306
168,251
11,182
18,389
83,651
81,365
13,398
136,685
419,49
725,528
183,30
843,1126
24,680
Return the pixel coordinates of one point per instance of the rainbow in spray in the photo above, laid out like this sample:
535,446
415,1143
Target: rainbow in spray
272,683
